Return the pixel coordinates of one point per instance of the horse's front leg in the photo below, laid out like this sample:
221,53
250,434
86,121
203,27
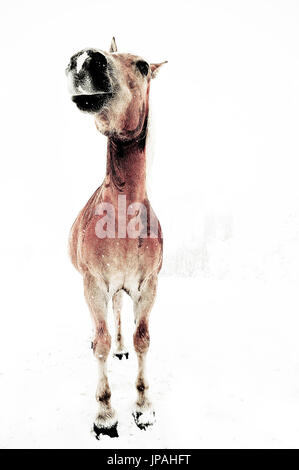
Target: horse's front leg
120,350
97,299
144,414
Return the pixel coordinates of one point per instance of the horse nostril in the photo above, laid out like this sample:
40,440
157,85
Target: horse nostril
88,73
97,67
88,60
97,61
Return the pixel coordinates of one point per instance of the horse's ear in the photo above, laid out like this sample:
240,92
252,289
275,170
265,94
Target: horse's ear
113,46
155,67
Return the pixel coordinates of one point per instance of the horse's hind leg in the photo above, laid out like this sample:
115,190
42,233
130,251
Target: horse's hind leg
144,414
97,299
120,351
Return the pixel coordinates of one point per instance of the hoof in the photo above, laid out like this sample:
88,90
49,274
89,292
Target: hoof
121,355
111,432
144,419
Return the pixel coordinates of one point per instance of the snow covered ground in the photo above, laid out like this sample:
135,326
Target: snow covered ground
223,369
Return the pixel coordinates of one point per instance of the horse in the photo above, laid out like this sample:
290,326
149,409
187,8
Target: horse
116,241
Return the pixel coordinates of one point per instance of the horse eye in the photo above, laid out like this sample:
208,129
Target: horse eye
142,67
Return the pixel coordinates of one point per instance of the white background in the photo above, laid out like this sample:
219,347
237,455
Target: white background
224,361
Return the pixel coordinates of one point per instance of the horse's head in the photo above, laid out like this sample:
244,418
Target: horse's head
114,87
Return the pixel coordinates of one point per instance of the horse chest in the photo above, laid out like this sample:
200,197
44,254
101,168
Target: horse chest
113,257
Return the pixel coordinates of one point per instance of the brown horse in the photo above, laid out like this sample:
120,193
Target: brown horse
116,240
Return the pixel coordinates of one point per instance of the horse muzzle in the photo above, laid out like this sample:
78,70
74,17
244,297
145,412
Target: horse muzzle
89,80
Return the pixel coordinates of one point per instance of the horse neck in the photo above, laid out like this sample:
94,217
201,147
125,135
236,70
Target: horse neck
126,168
